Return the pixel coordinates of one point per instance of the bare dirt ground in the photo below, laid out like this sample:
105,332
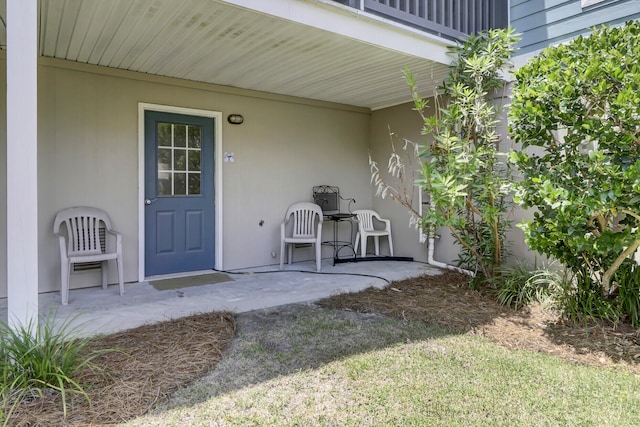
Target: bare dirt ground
156,360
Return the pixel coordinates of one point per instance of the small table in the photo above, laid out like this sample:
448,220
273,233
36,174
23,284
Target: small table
337,244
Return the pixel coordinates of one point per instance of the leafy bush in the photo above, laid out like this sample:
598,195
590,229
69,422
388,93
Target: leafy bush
462,170
35,361
576,112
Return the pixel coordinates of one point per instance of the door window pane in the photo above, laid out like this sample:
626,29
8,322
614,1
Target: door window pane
164,134
164,184
194,136
180,135
164,159
179,159
180,184
194,183
194,160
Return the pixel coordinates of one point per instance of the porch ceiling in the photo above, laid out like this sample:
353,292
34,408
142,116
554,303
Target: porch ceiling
222,42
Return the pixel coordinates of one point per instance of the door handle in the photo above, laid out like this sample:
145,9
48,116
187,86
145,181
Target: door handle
147,201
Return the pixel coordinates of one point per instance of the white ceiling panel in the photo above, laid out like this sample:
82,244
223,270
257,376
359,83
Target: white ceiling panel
217,42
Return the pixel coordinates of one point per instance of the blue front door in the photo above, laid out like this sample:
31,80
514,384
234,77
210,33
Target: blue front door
179,193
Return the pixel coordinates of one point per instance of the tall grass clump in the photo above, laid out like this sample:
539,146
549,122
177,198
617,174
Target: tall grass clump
41,360
520,285
579,296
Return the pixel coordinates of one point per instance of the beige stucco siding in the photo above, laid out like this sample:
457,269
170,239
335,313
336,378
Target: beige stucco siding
88,155
405,124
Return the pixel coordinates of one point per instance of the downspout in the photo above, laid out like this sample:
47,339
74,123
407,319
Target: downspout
431,249
433,262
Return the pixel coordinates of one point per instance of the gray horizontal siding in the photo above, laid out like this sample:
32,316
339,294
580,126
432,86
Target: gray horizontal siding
544,23
452,19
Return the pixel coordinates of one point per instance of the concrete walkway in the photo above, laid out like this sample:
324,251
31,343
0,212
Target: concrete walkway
95,310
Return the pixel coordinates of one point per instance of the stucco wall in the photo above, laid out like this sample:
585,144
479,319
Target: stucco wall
88,155
404,123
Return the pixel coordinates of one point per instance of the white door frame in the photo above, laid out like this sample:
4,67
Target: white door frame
217,135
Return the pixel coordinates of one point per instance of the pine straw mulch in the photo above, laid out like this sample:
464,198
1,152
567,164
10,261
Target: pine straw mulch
447,301
152,362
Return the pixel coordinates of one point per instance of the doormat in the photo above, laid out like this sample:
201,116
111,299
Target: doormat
189,281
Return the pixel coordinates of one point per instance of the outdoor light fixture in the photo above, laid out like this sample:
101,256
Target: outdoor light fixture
235,119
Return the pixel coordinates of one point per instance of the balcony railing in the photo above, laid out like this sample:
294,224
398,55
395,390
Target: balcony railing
446,18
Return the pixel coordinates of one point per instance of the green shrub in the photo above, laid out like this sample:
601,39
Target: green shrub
462,170
576,112
36,360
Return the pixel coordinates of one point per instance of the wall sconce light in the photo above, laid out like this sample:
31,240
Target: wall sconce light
235,119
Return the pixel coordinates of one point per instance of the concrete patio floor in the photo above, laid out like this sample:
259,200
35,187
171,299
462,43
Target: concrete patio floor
95,310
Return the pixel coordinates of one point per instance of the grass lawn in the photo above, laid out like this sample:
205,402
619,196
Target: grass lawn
411,375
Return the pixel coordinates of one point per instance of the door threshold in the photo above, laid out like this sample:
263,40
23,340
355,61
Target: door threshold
177,275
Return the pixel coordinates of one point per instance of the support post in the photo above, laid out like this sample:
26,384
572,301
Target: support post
22,162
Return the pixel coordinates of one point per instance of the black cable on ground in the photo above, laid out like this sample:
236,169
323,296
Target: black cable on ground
373,258
377,258
303,271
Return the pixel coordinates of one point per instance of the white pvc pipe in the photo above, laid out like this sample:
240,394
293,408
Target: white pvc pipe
439,264
432,244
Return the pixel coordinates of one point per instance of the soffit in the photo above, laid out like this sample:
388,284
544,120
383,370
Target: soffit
217,42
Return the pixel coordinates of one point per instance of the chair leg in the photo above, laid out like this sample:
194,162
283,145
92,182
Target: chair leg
290,253
363,244
357,242
65,271
282,249
376,241
120,274
103,271
390,245
318,256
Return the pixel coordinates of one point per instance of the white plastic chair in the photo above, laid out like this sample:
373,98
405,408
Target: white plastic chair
307,228
366,229
83,242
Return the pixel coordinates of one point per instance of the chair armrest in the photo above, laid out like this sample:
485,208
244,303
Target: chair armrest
62,242
118,238
114,233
